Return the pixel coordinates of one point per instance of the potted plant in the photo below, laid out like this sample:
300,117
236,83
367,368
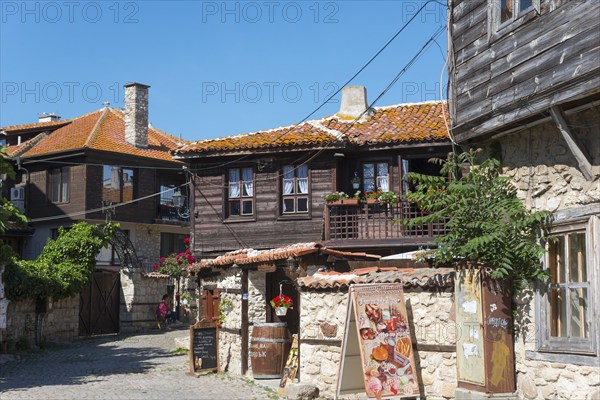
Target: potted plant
281,304
388,198
336,198
372,197
487,223
355,181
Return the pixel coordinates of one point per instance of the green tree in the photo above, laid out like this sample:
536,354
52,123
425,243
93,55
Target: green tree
9,214
487,222
64,267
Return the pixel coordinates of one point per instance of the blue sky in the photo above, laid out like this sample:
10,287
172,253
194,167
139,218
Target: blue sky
215,68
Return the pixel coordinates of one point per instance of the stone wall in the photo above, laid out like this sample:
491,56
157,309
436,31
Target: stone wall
544,170
547,176
537,379
322,322
59,324
230,339
140,294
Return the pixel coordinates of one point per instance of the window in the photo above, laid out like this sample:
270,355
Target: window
509,10
376,177
118,184
59,185
566,303
295,190
171,243
240,199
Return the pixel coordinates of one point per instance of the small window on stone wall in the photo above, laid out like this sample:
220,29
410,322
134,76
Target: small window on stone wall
566,300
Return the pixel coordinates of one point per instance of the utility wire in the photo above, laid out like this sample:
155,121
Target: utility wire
77,213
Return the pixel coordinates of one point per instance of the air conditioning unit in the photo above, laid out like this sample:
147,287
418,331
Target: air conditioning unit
17,193
19,204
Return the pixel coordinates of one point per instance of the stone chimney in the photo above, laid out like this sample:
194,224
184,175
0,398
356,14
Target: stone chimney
136,114
354,102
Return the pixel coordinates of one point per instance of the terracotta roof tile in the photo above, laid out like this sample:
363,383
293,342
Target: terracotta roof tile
420,277
404,123
305,134
251,256
34,126
102,129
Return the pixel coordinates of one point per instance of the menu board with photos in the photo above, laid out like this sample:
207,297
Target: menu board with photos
384,341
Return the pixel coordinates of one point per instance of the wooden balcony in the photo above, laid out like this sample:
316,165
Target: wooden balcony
352,222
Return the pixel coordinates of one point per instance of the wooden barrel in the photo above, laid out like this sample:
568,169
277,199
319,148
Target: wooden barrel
269,348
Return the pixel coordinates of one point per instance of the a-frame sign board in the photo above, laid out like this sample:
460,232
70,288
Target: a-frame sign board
377,356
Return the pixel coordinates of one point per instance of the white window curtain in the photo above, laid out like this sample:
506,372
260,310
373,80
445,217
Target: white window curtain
405,170
303,179
383,181
288,179
65,184
248,181
234,183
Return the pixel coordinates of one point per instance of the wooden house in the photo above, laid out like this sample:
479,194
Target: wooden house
108,164
525,84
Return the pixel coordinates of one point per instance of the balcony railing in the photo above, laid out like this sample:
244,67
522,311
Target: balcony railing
169,213
374,221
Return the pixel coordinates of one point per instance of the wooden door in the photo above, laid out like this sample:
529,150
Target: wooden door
293,315
99,304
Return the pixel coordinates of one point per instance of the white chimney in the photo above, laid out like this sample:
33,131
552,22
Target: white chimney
136,114
354,102
45,117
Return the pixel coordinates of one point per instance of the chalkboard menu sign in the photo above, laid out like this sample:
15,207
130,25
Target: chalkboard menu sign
204,354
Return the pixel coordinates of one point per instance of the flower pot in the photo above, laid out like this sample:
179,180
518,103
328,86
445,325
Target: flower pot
334,202
351,202
281,311
355,185
372,201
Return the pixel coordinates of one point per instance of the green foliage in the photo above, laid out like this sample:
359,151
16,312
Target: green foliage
64,267
8,212
225,307
487,223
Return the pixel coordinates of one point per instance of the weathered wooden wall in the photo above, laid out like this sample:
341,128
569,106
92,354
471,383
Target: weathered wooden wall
548,56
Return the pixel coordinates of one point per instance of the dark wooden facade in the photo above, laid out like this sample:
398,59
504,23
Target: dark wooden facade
214,233
85,187
508,73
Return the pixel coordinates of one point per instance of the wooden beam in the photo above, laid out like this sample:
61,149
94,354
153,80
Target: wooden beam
576,148
244,321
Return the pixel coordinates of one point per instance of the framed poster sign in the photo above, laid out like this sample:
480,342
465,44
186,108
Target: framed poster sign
377,315
204,347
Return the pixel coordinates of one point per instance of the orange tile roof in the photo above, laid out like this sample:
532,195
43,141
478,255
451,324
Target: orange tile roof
404,123
102,129
421,277
34,126
251,256
305,134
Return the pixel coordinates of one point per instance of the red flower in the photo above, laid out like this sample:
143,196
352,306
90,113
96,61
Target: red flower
186,240
161,260
155,267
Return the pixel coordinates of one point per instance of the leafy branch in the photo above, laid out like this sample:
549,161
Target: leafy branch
486,221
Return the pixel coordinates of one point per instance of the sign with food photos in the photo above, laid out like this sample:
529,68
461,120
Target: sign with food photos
378,312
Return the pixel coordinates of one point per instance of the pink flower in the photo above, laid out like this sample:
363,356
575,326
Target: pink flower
161,260
186,240
155,267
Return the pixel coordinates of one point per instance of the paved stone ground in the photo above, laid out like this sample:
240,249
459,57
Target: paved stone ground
142,366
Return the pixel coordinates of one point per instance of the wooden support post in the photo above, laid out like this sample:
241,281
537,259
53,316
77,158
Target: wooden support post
574,145
244,321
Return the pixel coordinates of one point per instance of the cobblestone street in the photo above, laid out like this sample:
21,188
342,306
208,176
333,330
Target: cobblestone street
143,366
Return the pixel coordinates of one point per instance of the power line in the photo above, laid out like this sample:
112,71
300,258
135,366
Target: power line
77,213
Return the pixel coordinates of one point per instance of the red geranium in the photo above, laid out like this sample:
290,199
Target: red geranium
282,301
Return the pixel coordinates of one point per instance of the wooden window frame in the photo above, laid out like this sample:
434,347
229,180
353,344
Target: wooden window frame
295,196
63,172
375,162
241,199
497,29
570,345
134,183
